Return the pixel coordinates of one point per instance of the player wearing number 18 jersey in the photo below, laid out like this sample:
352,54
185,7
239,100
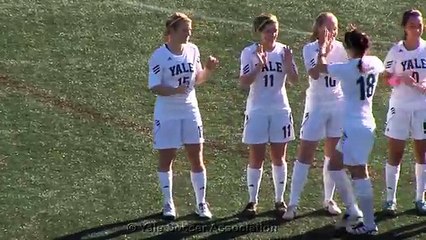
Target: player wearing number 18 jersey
406,64
174,70
265,67
322,116
359,80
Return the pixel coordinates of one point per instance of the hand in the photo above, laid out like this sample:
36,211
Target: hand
181,89
261,55
407,79
212,63
326,38
287,58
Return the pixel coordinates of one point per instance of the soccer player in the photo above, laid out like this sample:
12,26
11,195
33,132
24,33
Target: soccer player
174,71
359,77
265,68
322,116
406,70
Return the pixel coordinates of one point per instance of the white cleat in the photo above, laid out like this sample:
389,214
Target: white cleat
362,229
169,211
331,207
291,213
203,211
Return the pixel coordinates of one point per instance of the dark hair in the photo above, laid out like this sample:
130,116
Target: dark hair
407,15
359,42
260,22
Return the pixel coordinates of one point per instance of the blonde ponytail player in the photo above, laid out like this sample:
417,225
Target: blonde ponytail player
174,72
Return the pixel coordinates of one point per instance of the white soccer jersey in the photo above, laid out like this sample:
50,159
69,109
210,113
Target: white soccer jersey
401,61
168,69
267,93
358,88
325,89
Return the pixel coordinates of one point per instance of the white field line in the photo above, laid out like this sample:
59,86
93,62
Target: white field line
154,8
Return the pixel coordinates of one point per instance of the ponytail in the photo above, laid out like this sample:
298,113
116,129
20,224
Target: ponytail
360,68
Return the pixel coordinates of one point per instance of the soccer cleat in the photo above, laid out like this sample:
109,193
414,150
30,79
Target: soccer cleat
291,213
389,208
203,211
169,211
420,207
250,210
362,229
280,208
331,207
348,220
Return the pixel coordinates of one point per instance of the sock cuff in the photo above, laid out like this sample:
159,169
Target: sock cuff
326,158
168,172
363,187
394,167
300,164
254,169
195,174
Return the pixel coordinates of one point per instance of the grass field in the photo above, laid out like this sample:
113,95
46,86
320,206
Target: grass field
76,160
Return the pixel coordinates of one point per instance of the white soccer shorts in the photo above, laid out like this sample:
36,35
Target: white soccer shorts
320,122
174,133
356,145
268,128
402,124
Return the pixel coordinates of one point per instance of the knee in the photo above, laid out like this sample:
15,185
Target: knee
358,172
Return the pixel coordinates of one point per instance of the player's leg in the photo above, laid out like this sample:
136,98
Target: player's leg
256,136
333,133
419,135
312,130
281,132
397,131
193,140
356,153
343,184
167,138
329,185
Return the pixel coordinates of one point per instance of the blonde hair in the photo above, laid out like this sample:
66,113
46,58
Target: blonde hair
319,21
174,20
262,20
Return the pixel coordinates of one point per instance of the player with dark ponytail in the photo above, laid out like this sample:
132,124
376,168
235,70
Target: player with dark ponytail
359,78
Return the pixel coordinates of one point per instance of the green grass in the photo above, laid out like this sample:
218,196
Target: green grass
75,116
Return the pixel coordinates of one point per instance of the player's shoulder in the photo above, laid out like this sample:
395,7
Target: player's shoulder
250,48
397,47
191,46
159,52
373,62
338,44
311,46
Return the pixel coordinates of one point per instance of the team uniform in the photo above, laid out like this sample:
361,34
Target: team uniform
406,116
177,118
358,121
407,106
322,116
268,114
358,131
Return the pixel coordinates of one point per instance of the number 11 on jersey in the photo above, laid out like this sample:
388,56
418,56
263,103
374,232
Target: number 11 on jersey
269,80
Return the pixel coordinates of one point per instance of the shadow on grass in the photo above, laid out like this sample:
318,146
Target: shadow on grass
232,227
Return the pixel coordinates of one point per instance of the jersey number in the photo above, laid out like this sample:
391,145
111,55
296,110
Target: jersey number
416,76
184,80
366,86
329,82
287,131
269,80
